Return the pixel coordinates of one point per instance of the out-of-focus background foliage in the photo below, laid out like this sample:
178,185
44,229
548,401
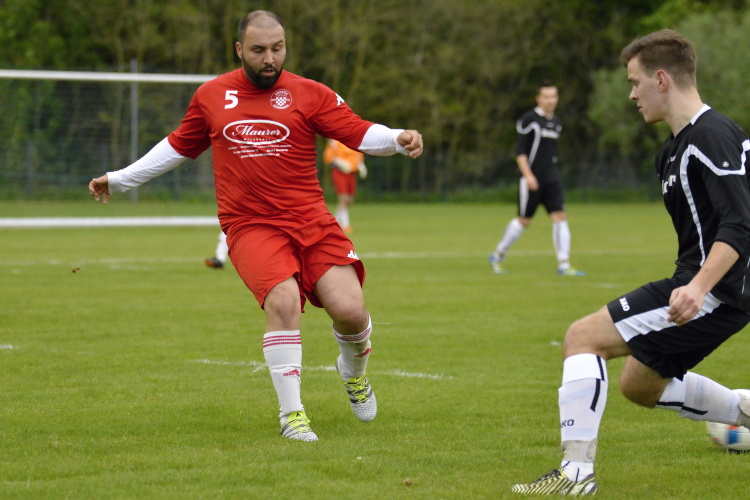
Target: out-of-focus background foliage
461,72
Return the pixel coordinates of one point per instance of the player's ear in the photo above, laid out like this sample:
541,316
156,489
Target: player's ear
238,49
663,79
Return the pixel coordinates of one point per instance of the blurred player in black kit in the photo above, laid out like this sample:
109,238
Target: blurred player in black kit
536,155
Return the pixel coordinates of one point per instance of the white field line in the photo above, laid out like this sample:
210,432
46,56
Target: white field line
258,366
73,222
159,260
363,255
106,262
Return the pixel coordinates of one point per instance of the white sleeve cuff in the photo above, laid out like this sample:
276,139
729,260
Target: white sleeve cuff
380,140
160,160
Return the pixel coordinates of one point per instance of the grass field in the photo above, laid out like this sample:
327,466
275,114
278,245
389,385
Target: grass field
140,375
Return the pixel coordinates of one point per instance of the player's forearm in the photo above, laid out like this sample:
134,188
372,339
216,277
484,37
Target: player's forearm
523,165
719,260
380,140
161,159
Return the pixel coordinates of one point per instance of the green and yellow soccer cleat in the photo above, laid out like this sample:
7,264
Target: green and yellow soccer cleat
571,271
361,396
296,426
497,265
557,483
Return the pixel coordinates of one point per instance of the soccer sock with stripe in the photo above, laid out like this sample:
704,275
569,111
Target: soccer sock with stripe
582,398
513,231
283,353
355,351
699,398
561,241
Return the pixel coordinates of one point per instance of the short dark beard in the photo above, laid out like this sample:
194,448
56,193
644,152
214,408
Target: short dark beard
264,82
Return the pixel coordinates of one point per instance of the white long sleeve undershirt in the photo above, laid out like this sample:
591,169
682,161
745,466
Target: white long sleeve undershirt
379,140
161,159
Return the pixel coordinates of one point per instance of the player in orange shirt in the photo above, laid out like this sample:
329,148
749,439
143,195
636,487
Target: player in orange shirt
260,122
346,165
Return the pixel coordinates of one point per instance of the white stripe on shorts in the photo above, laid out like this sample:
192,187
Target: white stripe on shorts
656,319
523,196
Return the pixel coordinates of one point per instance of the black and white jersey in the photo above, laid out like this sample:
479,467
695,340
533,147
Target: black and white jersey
703,173
537,139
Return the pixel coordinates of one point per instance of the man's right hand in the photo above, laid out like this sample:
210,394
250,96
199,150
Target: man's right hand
99,189
531,182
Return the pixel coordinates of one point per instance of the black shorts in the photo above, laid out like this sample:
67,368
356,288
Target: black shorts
641,318
549,194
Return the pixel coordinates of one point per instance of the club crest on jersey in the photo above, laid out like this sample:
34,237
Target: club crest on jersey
256,132
281,99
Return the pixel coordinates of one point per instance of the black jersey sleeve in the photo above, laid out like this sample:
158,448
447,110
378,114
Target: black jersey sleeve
526,133
720,159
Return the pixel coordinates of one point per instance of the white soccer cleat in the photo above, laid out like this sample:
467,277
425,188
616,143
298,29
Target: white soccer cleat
296,426
361,396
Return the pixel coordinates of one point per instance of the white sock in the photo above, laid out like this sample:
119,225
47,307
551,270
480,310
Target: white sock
345,218
221,248
582,398
342,216
513,231
338,216
561,241
699,398
355,351
283,353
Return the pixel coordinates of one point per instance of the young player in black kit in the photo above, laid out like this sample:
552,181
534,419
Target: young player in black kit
667,327
536,155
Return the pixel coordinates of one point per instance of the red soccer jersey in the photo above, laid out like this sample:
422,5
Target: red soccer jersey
263,143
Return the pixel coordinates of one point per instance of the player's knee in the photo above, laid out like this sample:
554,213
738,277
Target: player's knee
630,392
282,303
558,216
635,394
639,391
349,320
577,339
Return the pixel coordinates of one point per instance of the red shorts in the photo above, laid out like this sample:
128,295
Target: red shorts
344,183
265,254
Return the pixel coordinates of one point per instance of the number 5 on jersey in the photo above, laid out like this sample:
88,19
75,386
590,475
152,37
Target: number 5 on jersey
231,96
